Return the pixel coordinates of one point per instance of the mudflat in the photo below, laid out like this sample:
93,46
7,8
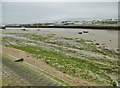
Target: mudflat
90,57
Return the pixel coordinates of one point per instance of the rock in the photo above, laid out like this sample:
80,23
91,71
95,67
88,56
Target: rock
97,44
38,29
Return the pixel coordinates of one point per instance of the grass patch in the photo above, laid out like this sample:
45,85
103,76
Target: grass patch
73,66
87,46
38,37
78,67
108,52
92,47
67,38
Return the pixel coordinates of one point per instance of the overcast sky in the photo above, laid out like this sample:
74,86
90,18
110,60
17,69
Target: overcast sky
32,12
60,0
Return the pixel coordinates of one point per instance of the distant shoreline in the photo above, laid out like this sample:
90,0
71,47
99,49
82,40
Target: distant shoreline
81,26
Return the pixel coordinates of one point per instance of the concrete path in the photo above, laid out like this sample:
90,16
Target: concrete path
20,74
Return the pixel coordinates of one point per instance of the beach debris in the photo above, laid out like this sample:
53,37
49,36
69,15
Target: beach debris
19,60
105,48
97,43
89,40
103,44
23,28
3,27
38,29
118,49
79,32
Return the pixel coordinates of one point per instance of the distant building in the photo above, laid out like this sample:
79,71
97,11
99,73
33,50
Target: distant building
78,23
88,22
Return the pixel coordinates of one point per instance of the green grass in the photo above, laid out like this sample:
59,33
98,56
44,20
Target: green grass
109,53
38,37
92,47
67,38
78,67
87,46
73,66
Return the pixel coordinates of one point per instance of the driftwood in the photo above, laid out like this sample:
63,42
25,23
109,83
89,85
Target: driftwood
19,60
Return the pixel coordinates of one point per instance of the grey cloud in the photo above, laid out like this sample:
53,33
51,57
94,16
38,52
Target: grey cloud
30,12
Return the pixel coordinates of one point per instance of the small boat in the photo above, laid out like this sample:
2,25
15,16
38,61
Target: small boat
79,32
85,31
